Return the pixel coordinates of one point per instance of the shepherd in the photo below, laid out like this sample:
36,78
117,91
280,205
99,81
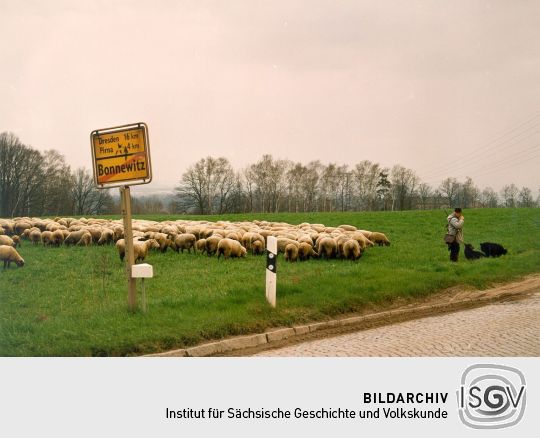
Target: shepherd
454,235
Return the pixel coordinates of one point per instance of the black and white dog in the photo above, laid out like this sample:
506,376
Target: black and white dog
471,254
492,249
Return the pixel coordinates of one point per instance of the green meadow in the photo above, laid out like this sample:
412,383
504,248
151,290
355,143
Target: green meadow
72,301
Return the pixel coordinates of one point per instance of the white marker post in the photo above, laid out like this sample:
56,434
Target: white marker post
271,269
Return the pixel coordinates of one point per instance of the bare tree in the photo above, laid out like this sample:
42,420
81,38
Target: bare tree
509,195
525,198
366,177
404,182
206,185
21,176
449,188
424,194
489,198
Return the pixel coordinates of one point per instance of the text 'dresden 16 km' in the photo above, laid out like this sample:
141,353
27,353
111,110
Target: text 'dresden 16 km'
120,155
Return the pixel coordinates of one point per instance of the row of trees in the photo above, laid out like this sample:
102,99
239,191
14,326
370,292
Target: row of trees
34,183
213,186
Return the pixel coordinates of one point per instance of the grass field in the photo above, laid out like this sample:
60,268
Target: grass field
72,301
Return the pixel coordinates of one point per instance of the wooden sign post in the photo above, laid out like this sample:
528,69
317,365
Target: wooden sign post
121,158
125,202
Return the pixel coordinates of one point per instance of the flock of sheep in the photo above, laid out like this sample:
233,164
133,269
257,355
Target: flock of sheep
230,239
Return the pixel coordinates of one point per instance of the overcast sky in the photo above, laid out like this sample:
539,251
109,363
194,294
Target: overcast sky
419,83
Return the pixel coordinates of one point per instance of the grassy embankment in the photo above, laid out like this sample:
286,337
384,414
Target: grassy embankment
72,301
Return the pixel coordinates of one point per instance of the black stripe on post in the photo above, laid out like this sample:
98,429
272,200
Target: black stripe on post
271,261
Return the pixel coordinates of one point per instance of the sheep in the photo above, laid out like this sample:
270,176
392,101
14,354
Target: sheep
327,247
362,240
140,249
106,236
212,244
58,237
379,238
163,240
184,241
340,241
257,247
291,252
47,238
9,254
118,233
35,236
6,240
21,226
7,226
351,250
230,248
85,240
75,236
347,227
200,245
282,242
16,241
95,233
305,251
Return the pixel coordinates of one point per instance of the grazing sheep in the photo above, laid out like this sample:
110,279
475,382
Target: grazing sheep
340,242
47,238
163,240
351,250
212,244
348,227
257,247
230,248
35,237
471,254
16,241
20,227
140,249
282,242
95,233
106,236
184,241
6,240
200,245
291,252
118,233
250,237
74,237
379,238
493,249
327,247
85,240
58,237
305,251
9,254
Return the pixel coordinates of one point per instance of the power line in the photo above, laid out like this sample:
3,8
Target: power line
468,168
478,156
505,164
487,146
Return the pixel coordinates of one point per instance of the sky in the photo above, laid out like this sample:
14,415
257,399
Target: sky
447,88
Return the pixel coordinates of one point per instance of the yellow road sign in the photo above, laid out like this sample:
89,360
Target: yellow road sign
121,155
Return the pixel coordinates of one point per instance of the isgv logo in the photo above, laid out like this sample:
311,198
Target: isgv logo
491,396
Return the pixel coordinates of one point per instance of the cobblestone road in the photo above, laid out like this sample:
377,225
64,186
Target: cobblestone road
510,328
